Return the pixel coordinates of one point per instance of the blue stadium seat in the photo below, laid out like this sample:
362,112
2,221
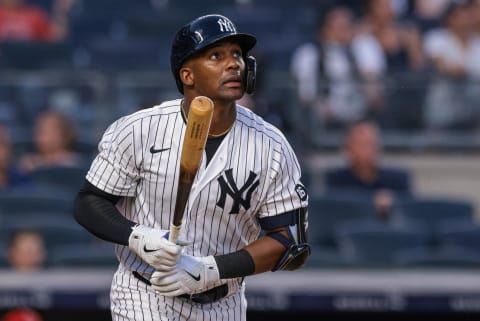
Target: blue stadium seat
31,200
36,55
431,212
327,212
55,230
441,257
69,178
87,27
82,255
375,244
326,257
460,234
134,54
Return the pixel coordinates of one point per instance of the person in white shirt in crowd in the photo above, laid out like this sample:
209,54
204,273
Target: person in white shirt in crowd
454,52
337,75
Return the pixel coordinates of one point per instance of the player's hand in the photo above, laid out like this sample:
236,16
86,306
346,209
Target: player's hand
153,246
192,274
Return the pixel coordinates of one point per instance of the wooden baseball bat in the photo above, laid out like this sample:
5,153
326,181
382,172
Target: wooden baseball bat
198,125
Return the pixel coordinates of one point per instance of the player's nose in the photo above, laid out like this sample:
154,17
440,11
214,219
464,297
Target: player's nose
234,62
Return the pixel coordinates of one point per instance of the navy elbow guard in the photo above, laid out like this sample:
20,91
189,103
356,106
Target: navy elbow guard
298,250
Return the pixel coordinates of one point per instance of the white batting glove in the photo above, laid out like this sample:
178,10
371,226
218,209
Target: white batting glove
191,275
153,246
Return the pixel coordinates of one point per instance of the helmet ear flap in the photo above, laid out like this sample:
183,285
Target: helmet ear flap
250,74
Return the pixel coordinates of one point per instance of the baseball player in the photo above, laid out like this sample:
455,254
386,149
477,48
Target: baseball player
248,182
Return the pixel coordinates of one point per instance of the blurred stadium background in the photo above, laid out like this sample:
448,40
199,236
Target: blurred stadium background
116,60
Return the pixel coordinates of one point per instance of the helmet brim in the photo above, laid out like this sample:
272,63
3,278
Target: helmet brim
245,40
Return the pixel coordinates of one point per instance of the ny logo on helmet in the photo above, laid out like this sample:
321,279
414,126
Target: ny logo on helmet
226,25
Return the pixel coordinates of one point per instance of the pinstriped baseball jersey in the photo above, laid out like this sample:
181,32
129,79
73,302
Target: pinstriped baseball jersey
254,175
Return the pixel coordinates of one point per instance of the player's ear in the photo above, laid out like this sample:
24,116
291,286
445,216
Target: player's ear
186,76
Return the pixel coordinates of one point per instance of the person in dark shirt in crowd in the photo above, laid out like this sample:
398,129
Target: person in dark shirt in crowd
364,172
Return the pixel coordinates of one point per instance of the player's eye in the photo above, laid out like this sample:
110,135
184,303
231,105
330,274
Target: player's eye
237,54
215,55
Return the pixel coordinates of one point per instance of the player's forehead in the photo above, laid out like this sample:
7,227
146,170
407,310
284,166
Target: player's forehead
225,43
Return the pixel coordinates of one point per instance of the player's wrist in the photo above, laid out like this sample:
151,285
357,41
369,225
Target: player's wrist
234,265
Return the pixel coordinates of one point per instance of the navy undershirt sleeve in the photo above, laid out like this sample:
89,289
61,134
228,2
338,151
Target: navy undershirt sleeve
95,210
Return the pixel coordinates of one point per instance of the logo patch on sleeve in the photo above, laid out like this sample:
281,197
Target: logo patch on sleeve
302,193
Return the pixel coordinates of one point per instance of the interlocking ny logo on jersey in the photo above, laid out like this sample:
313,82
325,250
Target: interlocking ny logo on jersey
228,186
226,25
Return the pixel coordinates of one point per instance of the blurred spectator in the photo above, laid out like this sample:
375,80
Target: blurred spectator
53,140
10,176
428,13
454,51
475,16
336,74
364,175
22,314
400,42
26,251
27,22
403,64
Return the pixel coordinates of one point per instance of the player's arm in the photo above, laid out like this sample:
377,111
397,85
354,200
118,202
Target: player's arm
95,210
282,248
278,251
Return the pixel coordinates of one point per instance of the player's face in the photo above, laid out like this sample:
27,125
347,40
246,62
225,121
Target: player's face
218,72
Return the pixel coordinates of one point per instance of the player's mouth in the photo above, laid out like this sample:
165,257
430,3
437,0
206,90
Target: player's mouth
233,82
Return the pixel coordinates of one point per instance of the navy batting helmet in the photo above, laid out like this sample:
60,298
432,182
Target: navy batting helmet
202,32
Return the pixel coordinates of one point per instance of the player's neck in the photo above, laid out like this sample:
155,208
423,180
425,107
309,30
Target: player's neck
224,115
223,118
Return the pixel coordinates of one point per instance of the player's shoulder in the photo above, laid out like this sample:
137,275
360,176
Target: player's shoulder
255,122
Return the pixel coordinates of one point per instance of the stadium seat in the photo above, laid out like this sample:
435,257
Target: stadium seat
45,200
431,212
55,231
327,212
87,27
460,234
81,255
326,257
375,244
69,178
134,54
35,55
441,257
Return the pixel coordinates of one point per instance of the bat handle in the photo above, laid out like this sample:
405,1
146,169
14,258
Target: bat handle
174,233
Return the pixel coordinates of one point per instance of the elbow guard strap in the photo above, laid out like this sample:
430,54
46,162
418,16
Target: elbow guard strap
298,250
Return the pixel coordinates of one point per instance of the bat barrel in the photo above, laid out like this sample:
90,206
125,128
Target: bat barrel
198,125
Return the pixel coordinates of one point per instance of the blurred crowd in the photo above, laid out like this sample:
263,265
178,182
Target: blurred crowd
403,64
362,68
359,68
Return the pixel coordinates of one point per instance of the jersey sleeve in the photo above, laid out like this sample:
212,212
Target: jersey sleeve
286,192
114,169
